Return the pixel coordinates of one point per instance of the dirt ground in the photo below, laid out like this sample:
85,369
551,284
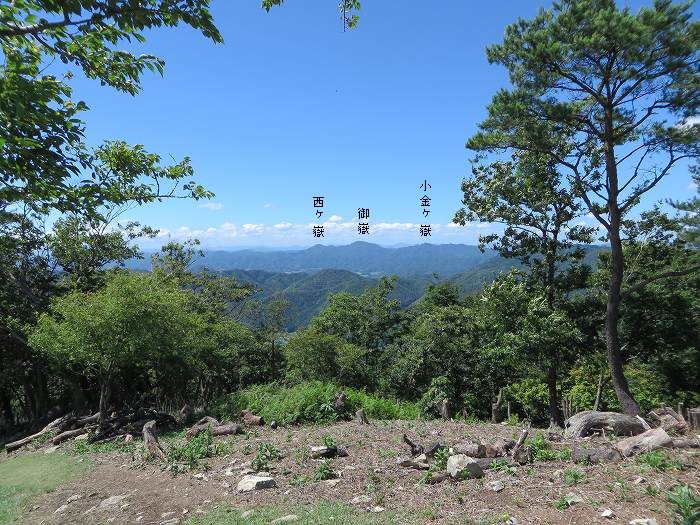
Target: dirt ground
148,494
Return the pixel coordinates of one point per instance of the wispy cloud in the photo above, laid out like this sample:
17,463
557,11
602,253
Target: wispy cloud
213,206
268,205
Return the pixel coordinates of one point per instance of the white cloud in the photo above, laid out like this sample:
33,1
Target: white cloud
692,186
214,206
268,205
337,231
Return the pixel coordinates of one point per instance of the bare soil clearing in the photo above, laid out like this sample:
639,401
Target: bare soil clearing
124,489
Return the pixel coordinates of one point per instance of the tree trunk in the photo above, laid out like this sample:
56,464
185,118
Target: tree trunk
105,392
612,321
555,416
612,312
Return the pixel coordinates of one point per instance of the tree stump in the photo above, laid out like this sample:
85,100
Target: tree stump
150,441
694,417
445,409
496,408
361,417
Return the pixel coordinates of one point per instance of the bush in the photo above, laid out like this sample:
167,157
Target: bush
308,403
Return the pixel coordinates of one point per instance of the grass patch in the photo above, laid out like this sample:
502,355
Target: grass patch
320,514
193,451
309,403
23,477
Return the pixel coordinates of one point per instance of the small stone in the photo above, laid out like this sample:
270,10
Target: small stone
644,521
173,521
438,477
201,476
496,486
60,509
273,425
639,480
362,499
250,483
405,461
229,472
473,450
323,452
289,518
74,497
128,438
607,513
167,514
82,437
247,513
51,450
377,509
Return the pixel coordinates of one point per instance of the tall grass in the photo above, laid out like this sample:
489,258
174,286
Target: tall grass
309,403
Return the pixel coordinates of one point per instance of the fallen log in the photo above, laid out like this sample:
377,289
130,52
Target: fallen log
201,426
150,441
588,422
645,442
68,434
58,424
226,429
519,443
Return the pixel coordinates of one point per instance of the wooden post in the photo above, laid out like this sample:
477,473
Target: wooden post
680,409
496,407
508,408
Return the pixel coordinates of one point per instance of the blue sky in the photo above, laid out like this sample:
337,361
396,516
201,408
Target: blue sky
290,107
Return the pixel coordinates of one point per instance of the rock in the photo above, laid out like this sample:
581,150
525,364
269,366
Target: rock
473,450
644,521
273,425
607,513
377,509
74,497
461,466
51,449
595,455
247,513
404,461
340,452
128,438
289,518
361,417
339,401
323,452
484,463
60,509
649,440
491,451
172,521
250,483
572,498
113,501
588,422
362,499
82,437
496,486
438,477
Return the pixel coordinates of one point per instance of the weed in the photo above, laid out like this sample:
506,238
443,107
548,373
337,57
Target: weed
540,449
329,442
302,455
572,476
324,471
659,460
652,490
387,453
503,465
266,453
298,480
686,505
191,452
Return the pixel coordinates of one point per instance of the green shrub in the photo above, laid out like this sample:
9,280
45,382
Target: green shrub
429,403
572,476
308,403
540,449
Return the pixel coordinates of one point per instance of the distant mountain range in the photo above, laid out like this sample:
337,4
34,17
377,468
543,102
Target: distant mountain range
306,277
360,257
